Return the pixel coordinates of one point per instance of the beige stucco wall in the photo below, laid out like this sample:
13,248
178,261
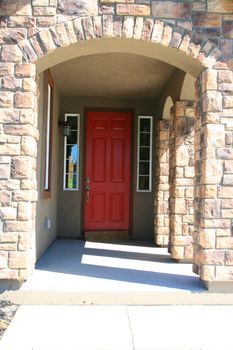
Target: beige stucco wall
70,203
179,87
46,208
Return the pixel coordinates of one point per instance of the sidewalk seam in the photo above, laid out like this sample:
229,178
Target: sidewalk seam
130,328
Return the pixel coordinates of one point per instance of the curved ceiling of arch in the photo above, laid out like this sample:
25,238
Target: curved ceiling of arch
112,75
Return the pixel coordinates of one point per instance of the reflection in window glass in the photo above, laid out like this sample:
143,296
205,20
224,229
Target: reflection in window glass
71,154
144,166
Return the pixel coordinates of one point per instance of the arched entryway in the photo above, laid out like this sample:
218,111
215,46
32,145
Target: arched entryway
156,40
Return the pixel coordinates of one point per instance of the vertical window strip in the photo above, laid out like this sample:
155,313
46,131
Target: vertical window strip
48,133
144,154
71,167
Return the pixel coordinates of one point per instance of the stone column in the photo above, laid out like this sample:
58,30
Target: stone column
181,180
18,150
161,223
213,237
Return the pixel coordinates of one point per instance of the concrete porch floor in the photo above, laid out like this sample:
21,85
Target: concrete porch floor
78,272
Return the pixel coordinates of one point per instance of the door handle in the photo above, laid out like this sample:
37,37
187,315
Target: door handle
88,188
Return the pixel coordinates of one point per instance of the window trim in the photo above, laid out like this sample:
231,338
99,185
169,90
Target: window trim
49,136
78,155
138,152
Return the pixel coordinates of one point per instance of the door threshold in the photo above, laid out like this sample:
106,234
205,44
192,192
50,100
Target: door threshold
106,236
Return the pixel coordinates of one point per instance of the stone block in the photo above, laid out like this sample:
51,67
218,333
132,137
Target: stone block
17,226
133,9
224,273
21,167
6,99
207,20
6,237
207,273
18,260
215,135
12,84
212,101
229,257
11,53
209,80
24,211
24,100
7,213
4,171
182,156
169,9
29,146
206,238
78,8
3,260
223,6
209,256
212,171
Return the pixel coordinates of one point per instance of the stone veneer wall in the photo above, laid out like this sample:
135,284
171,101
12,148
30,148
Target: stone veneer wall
161,222
203,30
213,236
181,180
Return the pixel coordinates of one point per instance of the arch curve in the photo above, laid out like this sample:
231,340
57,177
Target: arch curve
100,34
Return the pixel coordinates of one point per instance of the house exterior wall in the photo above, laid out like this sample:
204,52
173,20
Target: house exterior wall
193,35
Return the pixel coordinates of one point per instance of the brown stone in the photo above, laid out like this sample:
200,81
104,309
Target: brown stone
133,9
24,211
46,40
24,242
25,70
207,20
21,167
169,9
24,100
18,260
17,226
212,101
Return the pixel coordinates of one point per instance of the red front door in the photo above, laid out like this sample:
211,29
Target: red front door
107,173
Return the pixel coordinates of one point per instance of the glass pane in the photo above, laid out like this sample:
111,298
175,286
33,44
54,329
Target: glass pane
144,153
144,139
73,121
72,153
145,124
72,138
144,183
71,166
71,180
144,168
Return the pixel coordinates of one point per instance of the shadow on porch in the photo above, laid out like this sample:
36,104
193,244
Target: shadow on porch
78,266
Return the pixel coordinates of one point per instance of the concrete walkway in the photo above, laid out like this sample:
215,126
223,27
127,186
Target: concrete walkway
93,296
120,328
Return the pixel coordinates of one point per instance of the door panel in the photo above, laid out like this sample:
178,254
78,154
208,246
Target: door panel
107,170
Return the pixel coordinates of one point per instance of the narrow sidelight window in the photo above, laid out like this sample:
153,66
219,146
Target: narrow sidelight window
48,140
71,154
144,158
